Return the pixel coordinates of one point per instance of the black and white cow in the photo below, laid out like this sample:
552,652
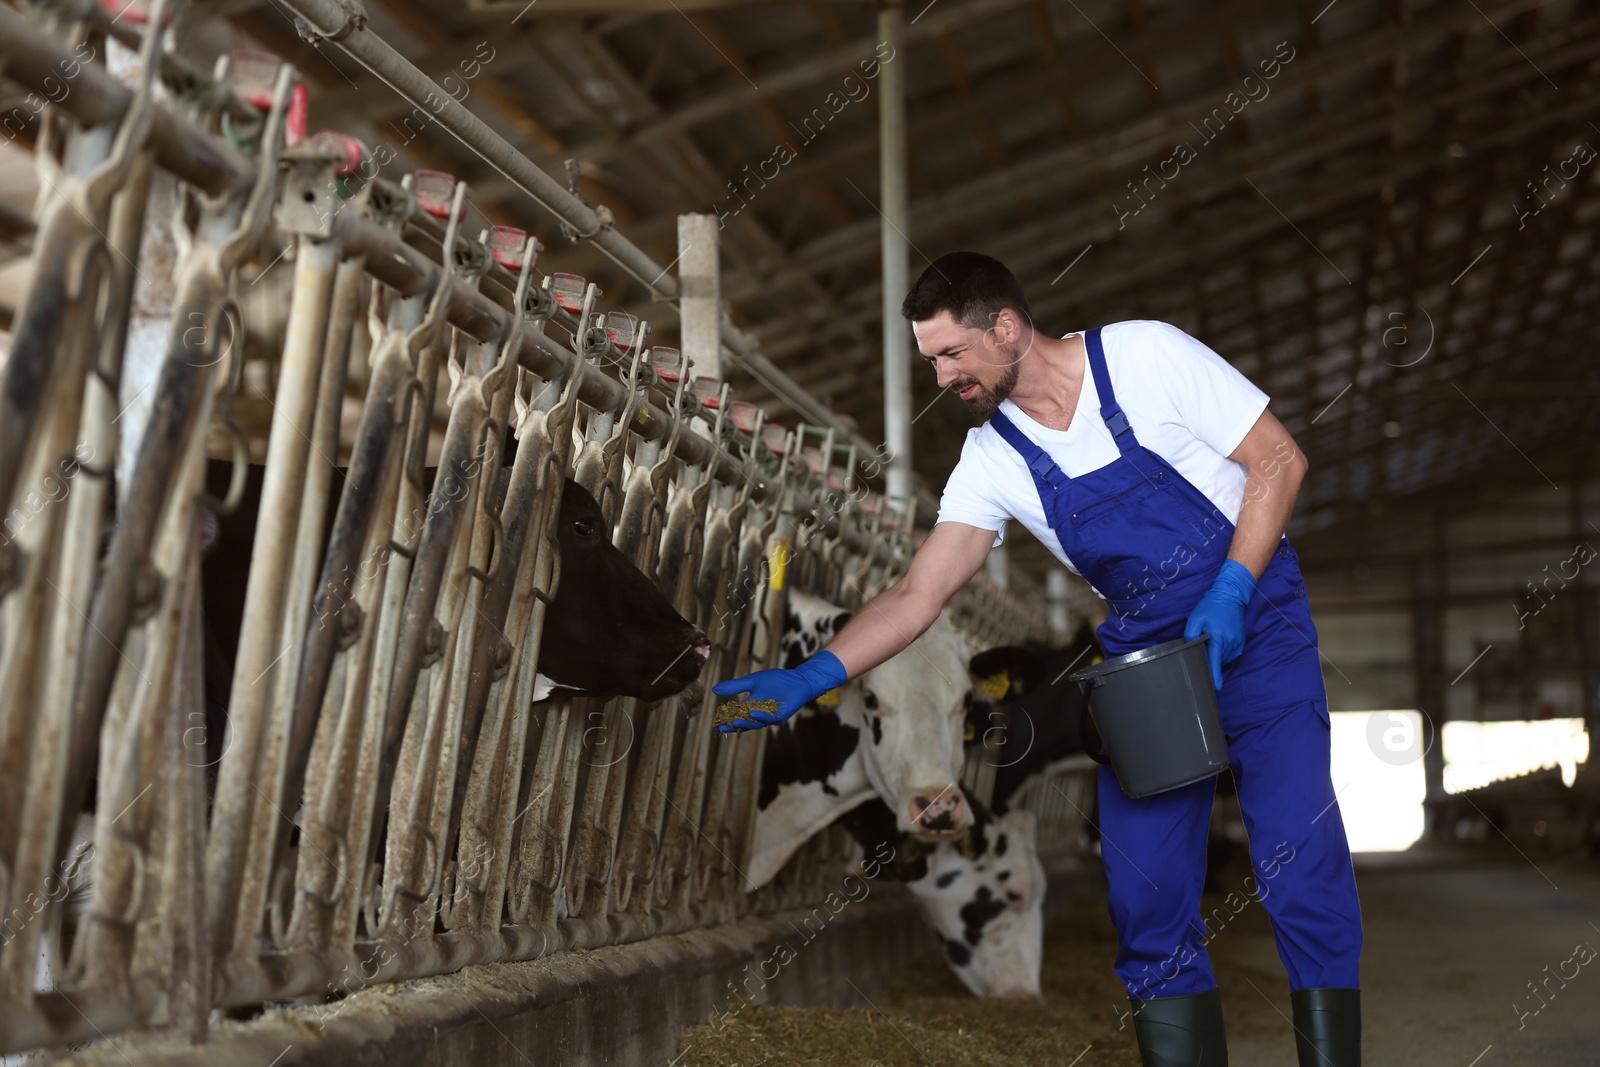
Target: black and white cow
895,732
1037,714
980,886
982,893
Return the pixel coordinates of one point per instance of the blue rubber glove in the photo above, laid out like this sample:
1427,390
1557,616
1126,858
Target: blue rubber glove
792,689
1220,613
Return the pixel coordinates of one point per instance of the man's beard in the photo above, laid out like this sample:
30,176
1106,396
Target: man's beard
987,398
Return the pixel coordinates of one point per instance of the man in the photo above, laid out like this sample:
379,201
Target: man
1153,469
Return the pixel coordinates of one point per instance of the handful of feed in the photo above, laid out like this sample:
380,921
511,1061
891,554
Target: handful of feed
730,710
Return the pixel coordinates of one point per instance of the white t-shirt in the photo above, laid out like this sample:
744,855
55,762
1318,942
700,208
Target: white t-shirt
1184,402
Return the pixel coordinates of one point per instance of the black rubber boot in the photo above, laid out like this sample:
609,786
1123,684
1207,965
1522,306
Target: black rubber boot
1327,1027
1181,1031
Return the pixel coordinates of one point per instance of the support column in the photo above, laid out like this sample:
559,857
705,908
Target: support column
1056,591
1427,630
998,565
1583,621
894,250
700,293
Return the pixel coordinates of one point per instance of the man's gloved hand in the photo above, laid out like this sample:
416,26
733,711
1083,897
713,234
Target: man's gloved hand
1220,613
791,689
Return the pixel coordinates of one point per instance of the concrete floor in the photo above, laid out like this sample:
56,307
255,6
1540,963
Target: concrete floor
1453,939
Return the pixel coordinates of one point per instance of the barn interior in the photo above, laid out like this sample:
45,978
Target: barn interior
685,227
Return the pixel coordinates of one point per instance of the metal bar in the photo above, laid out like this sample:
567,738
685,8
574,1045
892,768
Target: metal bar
402,267
31,57
215,167
409,272
372,52
700,310
243,828
893,244
319,478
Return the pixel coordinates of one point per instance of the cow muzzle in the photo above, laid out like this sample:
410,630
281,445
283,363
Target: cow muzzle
939,813
1015,992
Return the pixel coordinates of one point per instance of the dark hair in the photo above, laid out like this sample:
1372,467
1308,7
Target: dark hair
971,286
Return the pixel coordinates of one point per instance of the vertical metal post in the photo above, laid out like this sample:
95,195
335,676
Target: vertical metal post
998,565
894,245
1427,627
700,293
1582,621
1056,591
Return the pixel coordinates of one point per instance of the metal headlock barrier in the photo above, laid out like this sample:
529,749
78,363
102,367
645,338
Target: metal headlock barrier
390,803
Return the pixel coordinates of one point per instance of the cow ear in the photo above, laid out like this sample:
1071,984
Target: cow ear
1021,668
992,672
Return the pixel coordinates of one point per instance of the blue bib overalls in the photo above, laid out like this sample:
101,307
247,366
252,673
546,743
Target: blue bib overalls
1152,544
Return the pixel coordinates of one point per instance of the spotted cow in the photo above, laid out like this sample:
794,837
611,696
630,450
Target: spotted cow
982,893
980,886
1036,715
894,732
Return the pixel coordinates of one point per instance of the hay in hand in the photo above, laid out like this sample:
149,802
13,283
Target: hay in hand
730,710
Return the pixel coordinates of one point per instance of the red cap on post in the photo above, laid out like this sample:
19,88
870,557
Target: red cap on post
567,290
664,361
743,414
775,437
252,76
435,192
708,391
345,145
506,244
622,329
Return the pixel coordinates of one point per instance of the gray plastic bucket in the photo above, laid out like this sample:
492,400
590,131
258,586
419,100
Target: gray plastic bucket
1157,713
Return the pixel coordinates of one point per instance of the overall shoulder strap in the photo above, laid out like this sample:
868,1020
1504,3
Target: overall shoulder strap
1110,410
1038,460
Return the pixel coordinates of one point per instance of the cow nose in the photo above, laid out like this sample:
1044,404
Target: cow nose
703,650
1016,992
942,814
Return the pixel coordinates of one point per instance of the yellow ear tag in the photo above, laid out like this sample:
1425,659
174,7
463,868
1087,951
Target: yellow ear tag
966,846
1096,658
776,563
994,687
830,699
968,734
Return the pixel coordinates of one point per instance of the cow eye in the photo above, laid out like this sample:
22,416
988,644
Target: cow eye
585,527
870,699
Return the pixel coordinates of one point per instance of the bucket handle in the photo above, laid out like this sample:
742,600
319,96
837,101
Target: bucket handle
1088,734
1089,737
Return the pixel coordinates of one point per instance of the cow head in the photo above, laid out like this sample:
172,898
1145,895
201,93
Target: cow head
1026,711
1016,672
984,896
909,710
609,630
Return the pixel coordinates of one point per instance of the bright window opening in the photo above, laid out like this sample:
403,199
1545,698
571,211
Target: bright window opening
1478,753
1378,778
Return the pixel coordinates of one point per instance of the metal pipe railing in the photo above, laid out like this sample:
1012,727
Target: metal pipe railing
894,250
508,823
36,59
326,18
